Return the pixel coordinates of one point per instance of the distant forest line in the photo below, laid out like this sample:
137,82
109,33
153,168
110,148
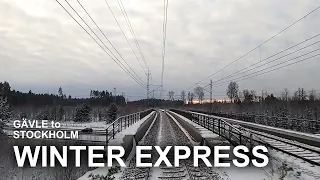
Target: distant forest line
300,103
97,98
101,105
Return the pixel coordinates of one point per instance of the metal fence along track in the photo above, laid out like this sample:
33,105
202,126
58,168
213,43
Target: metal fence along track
124,122
238,135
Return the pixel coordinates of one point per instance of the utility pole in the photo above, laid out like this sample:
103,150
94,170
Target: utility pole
261,101
148,83
124,96
115,91
211,95
115,94
148,87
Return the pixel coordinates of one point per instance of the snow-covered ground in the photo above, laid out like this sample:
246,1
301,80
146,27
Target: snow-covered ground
281,166
166,132
98,125
205,133
117,141
307,135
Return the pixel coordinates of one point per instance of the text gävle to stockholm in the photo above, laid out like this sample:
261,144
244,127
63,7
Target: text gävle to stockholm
40,130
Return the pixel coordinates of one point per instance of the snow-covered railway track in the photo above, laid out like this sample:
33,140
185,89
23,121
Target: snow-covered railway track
163,132
295,148
299,150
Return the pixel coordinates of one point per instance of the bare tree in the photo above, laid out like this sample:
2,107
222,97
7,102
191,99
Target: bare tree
232,90
254,95
300,95
249,96
183,96
285,95
295,96
199,93
171,94
312,95
239,97
190,97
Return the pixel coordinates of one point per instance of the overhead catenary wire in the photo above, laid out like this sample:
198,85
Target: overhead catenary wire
239,78
165,20
272,37
142,83
143,68
118,63
123,10
109,41
281,57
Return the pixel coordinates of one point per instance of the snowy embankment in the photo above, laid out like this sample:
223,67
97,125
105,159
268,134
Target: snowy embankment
118,140
281,166
94,125
205,133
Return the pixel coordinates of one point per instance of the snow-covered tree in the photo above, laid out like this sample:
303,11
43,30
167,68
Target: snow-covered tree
4,112
60,113
1,127
82,113
112,113
4,109
60,92
312,95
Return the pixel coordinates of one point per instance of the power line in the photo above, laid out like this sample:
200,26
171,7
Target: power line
105,44
262,43
222,83
109,41
123,10
242,70
236,80
125,36
123,68
165,19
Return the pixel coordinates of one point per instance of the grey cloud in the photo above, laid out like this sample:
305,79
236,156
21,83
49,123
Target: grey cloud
42,47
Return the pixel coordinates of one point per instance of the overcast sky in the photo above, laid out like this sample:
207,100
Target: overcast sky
42,48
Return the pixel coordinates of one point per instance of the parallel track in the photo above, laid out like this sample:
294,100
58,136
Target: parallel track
299,150
296,149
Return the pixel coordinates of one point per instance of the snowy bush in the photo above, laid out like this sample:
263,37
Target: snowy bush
109,176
